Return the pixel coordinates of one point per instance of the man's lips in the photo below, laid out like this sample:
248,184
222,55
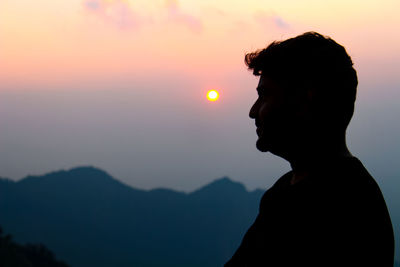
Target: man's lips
258,130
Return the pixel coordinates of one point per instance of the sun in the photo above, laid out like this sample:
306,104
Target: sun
212,95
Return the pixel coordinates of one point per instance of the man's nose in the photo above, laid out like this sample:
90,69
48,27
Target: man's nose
253,111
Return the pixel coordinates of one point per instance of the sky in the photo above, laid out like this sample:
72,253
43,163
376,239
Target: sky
121,85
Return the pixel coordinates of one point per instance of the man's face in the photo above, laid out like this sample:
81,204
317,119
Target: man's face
275,117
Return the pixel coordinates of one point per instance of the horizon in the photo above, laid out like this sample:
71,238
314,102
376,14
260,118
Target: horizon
132,186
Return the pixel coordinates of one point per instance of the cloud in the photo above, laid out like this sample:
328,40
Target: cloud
116,12
271,21
176,15
280,23
92,4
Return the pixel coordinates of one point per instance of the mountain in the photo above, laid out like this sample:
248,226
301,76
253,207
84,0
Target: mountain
88,218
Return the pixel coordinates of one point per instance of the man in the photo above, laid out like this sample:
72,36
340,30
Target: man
327,211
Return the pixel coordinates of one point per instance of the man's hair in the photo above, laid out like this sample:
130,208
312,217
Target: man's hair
311,61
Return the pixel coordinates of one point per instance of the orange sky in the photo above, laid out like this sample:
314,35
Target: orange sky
53,42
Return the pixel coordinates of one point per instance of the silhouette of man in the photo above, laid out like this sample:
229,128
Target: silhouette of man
327,211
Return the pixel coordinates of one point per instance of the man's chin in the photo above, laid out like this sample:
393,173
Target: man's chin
262,146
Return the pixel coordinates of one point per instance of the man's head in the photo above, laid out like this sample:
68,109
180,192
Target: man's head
306,91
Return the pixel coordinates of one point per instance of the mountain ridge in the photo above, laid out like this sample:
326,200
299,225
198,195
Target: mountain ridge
89,169
89,218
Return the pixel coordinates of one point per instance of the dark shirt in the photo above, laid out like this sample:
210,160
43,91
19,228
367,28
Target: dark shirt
335,217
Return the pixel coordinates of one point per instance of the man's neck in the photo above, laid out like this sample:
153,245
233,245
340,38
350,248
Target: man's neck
303,164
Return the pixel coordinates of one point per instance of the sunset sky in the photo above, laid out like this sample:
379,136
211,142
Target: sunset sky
121,85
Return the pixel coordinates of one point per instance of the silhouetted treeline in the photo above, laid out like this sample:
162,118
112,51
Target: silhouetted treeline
29,255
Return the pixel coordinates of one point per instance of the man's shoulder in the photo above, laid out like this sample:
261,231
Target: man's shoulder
352,189
354,174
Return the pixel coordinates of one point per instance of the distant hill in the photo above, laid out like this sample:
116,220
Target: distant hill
90,219
13,254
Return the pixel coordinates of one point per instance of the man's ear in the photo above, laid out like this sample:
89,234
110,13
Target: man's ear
305,103
310,100
310,95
